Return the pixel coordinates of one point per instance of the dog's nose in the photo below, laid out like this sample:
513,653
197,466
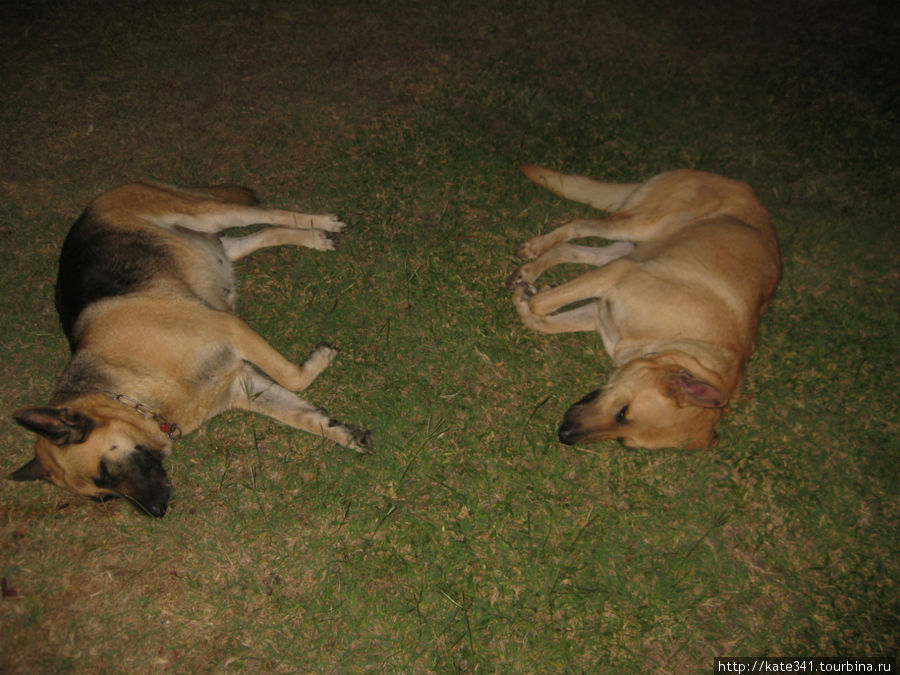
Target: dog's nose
155,505
568,434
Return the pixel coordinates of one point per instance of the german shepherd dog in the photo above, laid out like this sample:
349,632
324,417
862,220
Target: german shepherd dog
676,297
146,297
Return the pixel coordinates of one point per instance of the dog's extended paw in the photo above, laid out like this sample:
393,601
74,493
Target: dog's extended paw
523,290
362,440
526,252
523,276
320,240
353,437
325,350
522,293
526,274
326,222
513,279
330,240
329,222
320,357
532,248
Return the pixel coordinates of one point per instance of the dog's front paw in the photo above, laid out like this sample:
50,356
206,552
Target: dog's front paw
362,440
319,240
525,290
522,293
514,279
532,248
320,358
521,297
527,274
324,350
350,436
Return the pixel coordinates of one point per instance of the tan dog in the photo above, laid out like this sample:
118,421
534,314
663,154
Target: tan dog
676,299
145,295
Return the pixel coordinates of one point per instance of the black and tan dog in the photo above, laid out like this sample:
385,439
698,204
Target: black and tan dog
676,298
146,298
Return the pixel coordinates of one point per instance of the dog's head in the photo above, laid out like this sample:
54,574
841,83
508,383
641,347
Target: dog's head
98,453
648,403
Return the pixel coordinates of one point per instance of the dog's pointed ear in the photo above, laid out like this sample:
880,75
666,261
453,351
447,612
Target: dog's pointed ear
32,470
60,426
697,392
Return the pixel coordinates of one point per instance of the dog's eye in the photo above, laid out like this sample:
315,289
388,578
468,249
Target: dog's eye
621,415
106,479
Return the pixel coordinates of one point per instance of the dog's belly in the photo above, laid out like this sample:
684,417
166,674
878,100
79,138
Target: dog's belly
205,269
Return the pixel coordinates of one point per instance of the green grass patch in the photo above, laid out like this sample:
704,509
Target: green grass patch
471,540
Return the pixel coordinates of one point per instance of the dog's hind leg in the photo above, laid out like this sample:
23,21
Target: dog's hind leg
238,247
208,210
214,216
252,391
623,226
569,253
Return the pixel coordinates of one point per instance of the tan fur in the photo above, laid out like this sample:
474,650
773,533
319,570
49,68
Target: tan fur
676,297
171,350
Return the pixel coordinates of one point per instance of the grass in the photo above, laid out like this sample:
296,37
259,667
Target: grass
472,540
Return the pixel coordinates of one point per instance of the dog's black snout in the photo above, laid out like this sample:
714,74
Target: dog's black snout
568,434
154,502
157,510
592,396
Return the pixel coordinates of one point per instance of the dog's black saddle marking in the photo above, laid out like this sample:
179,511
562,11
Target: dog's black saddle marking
98,261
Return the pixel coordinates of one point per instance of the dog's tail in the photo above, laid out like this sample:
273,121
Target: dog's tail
233,194
604,196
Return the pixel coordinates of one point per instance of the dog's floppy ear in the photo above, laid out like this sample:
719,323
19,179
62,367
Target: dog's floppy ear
60,426
697,392
32,470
